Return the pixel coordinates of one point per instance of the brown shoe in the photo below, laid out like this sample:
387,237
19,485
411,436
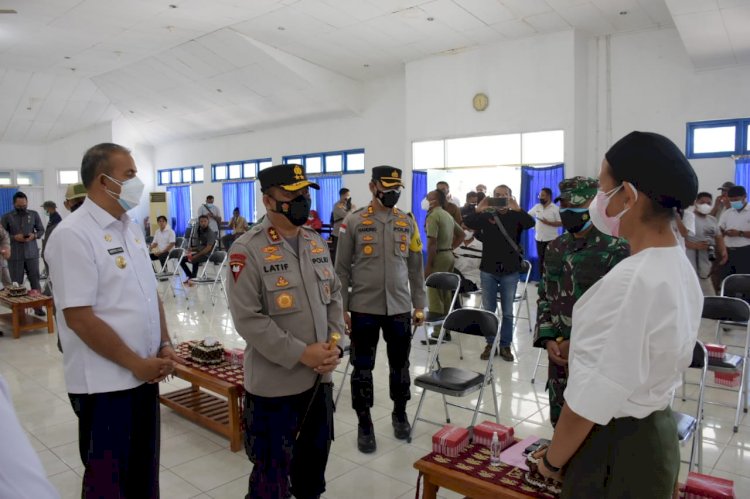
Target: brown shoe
506,354
486,354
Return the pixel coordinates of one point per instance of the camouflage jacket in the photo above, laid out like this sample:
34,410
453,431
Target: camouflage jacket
571,267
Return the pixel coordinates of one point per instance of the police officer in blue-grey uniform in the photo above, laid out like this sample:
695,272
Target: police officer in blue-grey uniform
378,246
285,302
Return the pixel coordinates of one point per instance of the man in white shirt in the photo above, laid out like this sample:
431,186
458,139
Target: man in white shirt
547,215
468,257
443,186
164,240
735,226
706,244
116,346
212,212
22,476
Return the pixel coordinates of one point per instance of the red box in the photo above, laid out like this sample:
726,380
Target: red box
450,440
716,351
700,486
235,356
727,379
483,434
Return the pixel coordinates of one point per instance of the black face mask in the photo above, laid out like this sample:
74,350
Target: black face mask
75,206
575,221
296,211
388,198
21,211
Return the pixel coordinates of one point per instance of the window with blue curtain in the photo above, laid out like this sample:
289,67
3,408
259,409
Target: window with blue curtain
532,181
741,172
418,192
239,195
324,199
6,199
179,207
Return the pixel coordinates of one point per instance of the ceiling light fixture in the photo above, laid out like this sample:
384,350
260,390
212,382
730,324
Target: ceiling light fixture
430,19
67,57
219,90
131,111
623,12
281,28
172,6
8,11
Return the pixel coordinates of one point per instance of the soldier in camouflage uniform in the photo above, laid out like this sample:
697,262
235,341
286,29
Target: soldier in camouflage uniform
572,264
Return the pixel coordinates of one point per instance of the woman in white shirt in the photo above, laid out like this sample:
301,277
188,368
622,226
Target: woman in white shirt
633,334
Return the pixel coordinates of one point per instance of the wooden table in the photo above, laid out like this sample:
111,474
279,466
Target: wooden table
19,320
205,409
435,476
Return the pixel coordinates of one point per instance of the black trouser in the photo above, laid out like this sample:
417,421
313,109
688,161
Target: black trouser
271,427
196,261
738,261
629,457
364,342
162,258
541,249
30,266
119,442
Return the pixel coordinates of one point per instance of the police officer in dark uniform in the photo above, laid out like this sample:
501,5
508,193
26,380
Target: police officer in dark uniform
378,246
285,302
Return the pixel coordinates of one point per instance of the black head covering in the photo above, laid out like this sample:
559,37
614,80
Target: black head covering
656,167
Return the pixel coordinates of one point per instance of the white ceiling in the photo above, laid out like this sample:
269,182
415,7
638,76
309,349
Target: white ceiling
190,68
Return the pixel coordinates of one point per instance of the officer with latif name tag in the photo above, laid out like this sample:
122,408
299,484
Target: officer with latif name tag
378,247
285,302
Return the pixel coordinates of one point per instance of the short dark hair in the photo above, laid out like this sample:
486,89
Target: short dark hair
503,186
237,208
210,196
203,216
548,191
96,161
19,195
443,182
160,218
480,196
736,191
471,194
704,195
343,191
442,198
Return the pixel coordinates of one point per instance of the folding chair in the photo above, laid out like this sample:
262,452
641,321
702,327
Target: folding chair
456,381
444,281
733,286
731,311
522,295
692,427
219,259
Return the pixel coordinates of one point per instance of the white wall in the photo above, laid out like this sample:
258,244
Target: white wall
529,82
126,135
380,130
655,88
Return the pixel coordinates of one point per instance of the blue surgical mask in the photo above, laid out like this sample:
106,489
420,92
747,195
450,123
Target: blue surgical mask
738,205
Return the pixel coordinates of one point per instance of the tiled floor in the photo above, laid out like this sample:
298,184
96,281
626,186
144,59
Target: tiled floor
197,463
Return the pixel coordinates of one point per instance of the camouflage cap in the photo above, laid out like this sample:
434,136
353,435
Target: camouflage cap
578,190
75,191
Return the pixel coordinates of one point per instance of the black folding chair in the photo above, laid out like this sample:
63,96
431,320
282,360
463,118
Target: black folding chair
456,381
689,426
444,281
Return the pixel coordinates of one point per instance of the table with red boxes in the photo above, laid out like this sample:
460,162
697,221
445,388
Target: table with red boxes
460,461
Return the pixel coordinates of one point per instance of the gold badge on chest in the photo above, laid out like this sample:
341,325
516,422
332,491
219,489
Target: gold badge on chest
281,282
367,250
108,238
284,300
121,262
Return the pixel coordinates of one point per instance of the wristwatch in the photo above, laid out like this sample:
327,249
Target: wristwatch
553,469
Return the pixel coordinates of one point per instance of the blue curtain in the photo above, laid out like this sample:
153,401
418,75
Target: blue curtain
532,181
418,192
741,172
328,195
239,195
179,207
6,199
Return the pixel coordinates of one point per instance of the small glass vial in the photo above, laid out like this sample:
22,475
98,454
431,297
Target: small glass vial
495,451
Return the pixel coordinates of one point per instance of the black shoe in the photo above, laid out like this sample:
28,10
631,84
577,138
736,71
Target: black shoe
366,440
506,354
401,426
430,341
40,312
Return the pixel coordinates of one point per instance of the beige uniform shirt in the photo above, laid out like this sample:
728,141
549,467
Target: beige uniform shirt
375,253
281,302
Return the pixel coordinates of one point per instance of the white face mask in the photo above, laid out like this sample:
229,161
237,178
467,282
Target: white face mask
130,192
703,208
598,211
425,204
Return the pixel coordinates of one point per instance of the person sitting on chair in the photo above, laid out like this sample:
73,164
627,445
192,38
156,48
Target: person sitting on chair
201,243
163,243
